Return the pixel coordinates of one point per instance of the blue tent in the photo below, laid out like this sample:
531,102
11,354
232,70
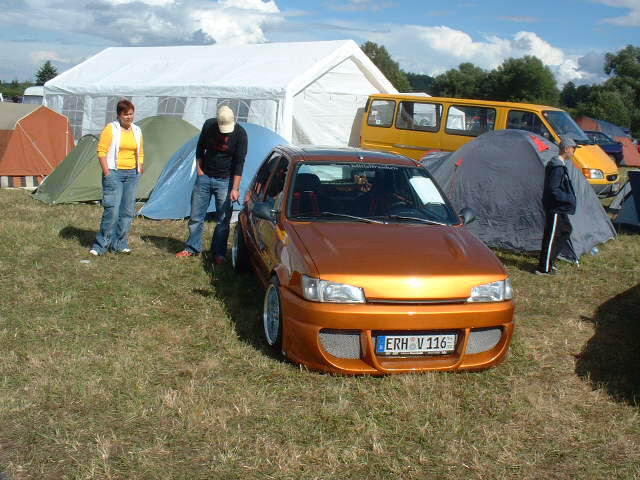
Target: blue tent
171,197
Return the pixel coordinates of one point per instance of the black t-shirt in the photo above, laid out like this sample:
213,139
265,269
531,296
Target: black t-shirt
222,154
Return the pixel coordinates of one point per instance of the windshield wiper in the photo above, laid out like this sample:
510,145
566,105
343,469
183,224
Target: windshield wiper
340,215
421,220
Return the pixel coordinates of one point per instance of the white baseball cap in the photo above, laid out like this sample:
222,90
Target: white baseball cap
226,119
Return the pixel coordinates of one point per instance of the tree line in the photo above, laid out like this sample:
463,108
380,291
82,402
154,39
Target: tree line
528,80
14,89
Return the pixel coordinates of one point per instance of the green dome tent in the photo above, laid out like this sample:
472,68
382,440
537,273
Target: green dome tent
78,177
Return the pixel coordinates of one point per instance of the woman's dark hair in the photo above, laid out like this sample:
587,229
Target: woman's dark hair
124,106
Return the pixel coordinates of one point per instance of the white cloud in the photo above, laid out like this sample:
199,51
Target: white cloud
40,56
434,50
632,19
152,22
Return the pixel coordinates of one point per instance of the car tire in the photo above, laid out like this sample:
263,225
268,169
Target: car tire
272,315
239,253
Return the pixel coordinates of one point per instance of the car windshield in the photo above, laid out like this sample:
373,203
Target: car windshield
563,124
368,192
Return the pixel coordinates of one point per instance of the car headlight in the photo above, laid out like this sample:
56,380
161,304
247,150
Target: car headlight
492,292
318,290
593,173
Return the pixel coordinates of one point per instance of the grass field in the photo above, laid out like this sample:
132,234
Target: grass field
147,367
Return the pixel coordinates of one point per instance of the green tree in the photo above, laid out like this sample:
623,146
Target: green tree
606,104
467,81
420,82
624,68
46,73
524,79
381,58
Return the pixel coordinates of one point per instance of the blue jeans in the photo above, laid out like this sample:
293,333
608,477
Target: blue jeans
119,202
203,190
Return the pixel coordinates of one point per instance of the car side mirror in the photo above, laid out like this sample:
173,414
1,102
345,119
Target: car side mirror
467,215
265,211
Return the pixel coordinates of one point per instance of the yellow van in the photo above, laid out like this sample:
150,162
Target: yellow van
412,125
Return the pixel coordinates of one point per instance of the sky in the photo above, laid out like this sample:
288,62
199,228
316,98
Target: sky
429,37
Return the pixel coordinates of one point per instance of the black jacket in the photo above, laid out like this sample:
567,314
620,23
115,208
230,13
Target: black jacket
558,195
222,154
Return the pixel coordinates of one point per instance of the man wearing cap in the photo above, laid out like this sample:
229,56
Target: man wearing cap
220,155
558,201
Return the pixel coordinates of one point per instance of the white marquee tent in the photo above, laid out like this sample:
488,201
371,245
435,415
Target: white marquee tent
308,92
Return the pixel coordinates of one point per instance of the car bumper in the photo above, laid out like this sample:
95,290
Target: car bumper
604,190
340,338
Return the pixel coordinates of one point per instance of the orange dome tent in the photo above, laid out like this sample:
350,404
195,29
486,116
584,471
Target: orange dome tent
33,140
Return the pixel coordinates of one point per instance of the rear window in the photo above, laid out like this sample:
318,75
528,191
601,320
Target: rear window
381,113
470,120
423,117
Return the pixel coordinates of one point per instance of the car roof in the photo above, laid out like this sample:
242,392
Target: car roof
344,154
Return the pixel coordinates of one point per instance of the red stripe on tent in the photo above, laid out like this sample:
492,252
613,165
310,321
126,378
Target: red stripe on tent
459,162
539,143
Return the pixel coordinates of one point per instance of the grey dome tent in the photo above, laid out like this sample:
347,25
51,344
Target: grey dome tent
627,201
500,175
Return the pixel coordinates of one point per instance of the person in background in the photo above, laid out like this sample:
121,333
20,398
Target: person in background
121,156
220,155
558,201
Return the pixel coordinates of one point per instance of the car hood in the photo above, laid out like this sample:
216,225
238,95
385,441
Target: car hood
400,261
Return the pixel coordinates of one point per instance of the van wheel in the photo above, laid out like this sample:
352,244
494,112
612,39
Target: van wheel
272,315
239,253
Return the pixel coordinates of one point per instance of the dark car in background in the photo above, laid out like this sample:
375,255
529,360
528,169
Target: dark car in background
608,144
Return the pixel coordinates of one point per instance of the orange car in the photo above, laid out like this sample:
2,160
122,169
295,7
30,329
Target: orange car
367,267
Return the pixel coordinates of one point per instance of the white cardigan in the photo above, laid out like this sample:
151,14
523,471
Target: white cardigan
114,148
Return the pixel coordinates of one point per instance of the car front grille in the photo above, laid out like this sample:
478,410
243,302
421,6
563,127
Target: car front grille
483,339
341,343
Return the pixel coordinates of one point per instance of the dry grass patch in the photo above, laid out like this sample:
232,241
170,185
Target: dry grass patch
146,367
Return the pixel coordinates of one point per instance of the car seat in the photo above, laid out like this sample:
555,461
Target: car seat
305,194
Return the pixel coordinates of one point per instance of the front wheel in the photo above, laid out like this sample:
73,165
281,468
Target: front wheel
272,315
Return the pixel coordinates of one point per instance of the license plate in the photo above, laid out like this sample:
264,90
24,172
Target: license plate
415,344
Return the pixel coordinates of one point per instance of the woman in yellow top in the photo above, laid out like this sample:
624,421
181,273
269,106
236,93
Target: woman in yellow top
121,155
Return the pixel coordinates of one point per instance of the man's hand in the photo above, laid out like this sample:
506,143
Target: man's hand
234,195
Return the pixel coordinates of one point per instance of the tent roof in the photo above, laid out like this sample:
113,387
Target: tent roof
270,68
12,113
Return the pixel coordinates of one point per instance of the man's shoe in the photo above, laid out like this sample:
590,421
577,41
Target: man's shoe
185,253
94,252
219,260
124,250
540,272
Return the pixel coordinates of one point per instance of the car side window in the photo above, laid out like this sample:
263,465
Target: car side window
261,178
528,121
419,116
381,113
470,120
276,183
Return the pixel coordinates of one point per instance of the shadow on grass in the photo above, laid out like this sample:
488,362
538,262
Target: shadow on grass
526,262
84,237
242,297
168,244
611,358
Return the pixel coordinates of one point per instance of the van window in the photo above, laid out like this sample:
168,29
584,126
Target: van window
528,121
381,113
472,121
419,116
